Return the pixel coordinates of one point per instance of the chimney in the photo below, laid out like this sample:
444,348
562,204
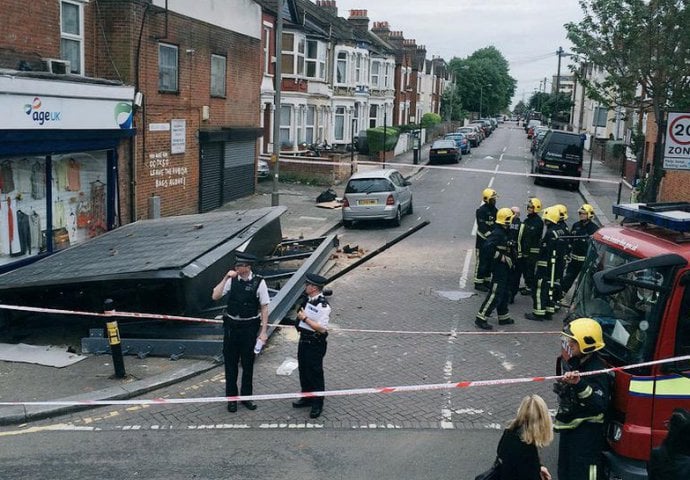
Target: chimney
329,6
359,20
382,30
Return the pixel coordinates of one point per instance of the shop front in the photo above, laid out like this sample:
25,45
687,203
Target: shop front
60,142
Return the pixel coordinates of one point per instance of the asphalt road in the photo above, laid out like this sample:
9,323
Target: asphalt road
421,284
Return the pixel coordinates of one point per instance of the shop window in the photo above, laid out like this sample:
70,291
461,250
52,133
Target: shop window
218,65
167,67
72,35
77,207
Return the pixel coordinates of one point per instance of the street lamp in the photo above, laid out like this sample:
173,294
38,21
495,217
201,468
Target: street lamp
481,97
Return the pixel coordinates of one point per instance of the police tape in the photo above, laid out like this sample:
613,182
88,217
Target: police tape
308,160
179,318
338,393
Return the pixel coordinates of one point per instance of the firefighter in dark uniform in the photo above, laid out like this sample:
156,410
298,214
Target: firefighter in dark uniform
495,255
515,272
312,323
485,216
245,319
529,239
583,229
582,401
550,248
562,260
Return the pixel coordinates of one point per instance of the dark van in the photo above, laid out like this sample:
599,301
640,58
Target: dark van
560,154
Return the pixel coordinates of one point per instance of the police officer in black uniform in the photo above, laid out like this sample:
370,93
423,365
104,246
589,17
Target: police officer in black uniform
485,216
495,255
529,240
313,316
581,231
582,401
245,319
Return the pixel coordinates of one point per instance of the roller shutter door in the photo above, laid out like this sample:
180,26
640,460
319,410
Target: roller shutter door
211,176
238,169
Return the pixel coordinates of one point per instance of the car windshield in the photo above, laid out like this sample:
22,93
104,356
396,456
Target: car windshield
629,318
369,185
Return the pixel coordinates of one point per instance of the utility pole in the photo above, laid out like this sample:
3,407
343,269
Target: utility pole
558,84
275,156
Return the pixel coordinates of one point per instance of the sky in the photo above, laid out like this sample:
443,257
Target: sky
527,32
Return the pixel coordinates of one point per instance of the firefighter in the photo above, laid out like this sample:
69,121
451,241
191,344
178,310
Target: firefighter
563,258
583,229
485,216
582,401
529,238
495,255
550,249
515,272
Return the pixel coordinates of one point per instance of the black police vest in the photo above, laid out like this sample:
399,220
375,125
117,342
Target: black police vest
242,299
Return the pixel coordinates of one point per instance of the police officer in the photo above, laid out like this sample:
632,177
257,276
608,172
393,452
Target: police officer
495,255
312,323
582,230
245,319
529,239
485,216
550,249
582,401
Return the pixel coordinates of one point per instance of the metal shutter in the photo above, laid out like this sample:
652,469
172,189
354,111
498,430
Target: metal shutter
211,176
238,169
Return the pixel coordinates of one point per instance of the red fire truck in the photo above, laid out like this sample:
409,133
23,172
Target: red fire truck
636,284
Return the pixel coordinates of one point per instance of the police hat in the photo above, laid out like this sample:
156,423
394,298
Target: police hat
247,258
316,280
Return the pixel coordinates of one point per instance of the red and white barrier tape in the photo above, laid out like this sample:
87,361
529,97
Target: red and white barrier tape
158,316
341,393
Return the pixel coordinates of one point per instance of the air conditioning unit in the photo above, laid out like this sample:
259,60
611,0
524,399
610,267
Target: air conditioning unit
57,66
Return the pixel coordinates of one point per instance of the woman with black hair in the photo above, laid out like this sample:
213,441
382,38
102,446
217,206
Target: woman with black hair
671,460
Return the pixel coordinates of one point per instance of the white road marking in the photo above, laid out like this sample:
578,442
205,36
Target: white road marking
466,269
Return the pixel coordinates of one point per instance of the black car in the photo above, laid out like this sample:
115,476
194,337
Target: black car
559,154
444,151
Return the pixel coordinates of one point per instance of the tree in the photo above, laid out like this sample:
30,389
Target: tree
430,119
520,108
483,80
552,105
451,106
638,43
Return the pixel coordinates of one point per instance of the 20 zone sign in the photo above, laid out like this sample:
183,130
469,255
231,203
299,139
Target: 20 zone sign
677,152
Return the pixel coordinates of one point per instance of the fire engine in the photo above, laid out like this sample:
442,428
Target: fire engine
635,284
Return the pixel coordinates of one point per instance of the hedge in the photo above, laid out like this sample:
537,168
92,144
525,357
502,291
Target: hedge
375,139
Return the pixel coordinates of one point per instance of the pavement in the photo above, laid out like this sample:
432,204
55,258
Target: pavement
93,377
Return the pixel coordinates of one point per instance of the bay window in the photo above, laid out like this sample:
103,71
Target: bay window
292,56
316,60
339,123
341,68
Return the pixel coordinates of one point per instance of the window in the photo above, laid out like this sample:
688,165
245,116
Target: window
299,123
316,60
267,50
340,123
285,121
167,68
71,35
355,121
292,57
373,115
386,76
341,68
218,63
309,127
375,66
358,69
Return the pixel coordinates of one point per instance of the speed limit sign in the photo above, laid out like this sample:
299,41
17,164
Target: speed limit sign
677,147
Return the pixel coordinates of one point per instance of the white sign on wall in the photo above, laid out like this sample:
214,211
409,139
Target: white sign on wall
178,135
677,146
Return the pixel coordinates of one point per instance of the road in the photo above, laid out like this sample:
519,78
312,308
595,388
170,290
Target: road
421,284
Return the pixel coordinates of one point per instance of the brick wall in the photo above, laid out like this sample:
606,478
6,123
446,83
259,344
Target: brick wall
675,186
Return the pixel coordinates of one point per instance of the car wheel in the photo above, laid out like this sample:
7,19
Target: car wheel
348,224
397,221
410,208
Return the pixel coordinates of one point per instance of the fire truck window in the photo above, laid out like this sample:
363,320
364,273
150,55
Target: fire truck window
683,330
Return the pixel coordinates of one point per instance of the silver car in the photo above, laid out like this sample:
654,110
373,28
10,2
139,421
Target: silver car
376,195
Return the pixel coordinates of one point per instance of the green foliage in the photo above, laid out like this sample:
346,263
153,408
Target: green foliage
520,108
483,81
430,119
451,106
375,139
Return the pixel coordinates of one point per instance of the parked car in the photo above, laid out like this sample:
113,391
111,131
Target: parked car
560,154
472,134
376,195
461,141
538,137
262,170
482,128
444,151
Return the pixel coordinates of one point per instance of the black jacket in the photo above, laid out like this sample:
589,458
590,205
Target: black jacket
495,254
579,245
486,216
588,400
530,235
520,461
663,466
